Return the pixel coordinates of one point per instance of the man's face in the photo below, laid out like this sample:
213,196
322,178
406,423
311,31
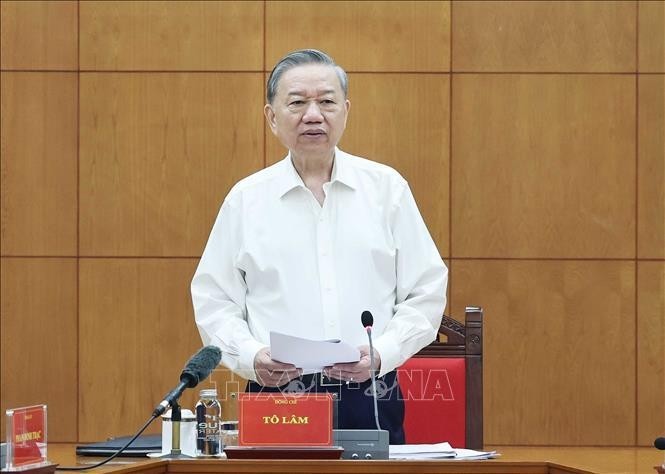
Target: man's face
309,111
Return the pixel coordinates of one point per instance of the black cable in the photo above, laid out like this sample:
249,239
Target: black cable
101,463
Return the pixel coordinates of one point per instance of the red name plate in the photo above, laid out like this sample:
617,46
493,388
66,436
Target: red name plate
26,433
277,419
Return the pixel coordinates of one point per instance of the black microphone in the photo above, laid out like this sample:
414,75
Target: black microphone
197,368
659,443
367,321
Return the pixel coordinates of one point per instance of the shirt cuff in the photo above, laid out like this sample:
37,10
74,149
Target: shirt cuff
246,359
388,349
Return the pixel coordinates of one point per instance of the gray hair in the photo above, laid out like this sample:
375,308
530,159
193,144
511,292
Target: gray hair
299,58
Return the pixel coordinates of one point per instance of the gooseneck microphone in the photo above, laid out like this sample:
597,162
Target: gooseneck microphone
197,368
659,443
367,321
365,443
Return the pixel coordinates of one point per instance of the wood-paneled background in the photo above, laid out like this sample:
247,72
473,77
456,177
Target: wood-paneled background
532,133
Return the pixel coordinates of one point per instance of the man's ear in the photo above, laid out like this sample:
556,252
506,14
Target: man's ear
347,106
270,117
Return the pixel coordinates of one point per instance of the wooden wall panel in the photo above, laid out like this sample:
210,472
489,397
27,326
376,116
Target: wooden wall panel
559,364
38,161
39,337
650,351
543,166
39,35
158,154
136,334
651,36
411,135
169,35
544,36
651,167
363,36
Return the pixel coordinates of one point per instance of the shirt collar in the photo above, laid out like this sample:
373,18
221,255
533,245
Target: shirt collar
341,172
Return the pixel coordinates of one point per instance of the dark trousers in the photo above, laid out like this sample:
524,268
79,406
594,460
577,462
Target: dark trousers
354,405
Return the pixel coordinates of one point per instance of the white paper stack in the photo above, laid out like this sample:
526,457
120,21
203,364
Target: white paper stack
470,454
437,451
421,451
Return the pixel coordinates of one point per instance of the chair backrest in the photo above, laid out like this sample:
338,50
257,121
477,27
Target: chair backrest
443,386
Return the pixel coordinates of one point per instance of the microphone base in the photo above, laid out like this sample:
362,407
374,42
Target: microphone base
176,454
362,444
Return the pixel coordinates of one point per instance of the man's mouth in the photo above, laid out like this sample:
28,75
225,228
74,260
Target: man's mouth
314,133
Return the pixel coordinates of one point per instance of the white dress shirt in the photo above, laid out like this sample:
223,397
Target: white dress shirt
278,260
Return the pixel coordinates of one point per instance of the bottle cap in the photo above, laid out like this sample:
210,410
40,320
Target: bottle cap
208,392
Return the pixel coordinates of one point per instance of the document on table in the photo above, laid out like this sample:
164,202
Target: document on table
309,355
421,451
436,451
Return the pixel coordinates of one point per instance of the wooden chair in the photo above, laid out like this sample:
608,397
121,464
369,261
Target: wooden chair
443,386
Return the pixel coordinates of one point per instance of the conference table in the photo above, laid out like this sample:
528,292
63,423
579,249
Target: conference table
513,460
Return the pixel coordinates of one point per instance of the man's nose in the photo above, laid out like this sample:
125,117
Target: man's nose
312,113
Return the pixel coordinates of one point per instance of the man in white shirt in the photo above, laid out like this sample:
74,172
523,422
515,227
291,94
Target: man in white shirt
306,245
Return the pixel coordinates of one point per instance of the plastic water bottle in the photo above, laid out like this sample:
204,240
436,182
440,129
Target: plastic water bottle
208,426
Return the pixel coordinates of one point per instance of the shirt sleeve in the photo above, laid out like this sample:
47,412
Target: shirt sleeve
422,278
218,295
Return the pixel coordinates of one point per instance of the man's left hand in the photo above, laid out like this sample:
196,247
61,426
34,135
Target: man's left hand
355,371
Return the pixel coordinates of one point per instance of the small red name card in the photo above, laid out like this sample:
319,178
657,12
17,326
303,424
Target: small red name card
26,437
276,419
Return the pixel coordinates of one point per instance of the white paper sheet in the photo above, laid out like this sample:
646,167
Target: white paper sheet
309,355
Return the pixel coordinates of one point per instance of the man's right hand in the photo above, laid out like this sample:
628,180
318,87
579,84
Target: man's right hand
271,373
